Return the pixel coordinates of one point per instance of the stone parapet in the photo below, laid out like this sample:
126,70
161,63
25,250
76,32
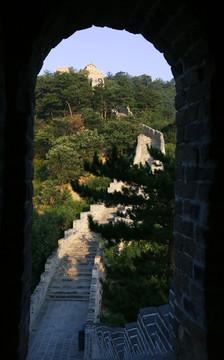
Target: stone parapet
150,337
39,294
149,138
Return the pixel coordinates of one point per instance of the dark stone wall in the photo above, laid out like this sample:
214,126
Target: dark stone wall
188,33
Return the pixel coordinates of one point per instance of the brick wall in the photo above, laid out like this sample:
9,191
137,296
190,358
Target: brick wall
189,35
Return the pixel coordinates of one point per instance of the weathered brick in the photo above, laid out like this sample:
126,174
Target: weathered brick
188,246
180,100
204,191
196,54
184,226
191,209
184,262
181,283
187,153
192,173
192,132
180,134
178,241
198,91
199,273
190,307
179,207
185,190
179,172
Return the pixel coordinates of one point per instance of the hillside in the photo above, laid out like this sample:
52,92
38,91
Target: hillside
72,121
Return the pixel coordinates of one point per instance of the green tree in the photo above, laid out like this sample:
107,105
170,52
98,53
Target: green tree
150,195
43,141
45,233
136,278
65,160
92,119
139,253
123,131
55,91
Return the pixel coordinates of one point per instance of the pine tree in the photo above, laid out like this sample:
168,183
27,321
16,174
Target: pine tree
149,196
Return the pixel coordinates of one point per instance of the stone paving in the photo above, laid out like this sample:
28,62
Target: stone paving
55,336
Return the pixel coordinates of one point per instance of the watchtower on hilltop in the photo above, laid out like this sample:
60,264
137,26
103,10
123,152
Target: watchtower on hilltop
95,76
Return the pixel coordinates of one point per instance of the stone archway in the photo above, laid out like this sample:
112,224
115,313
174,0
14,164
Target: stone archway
181,32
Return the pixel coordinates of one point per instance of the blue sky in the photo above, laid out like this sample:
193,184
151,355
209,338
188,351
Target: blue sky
111,51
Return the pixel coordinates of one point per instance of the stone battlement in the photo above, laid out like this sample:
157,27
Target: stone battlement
149,137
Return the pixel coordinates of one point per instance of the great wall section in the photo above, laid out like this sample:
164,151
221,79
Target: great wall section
68,297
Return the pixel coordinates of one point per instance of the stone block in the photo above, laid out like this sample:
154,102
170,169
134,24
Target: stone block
191,209
184,226
199,273
180,100
185,190
183,262
190,307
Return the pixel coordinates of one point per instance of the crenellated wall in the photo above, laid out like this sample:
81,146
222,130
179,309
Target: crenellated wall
150,337
149,137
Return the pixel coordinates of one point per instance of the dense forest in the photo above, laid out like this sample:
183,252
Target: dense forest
72,121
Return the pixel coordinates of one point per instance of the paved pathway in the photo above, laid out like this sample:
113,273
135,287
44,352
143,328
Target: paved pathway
55,336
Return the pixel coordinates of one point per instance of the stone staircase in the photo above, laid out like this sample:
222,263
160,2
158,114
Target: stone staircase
68,274
99,212
75,277
147,338
72,277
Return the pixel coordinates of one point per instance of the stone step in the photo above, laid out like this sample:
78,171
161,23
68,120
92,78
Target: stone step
54,297
87,242
74,272
72,260
86,247
71,257
84,215
82,252
69,276
68,293
69,290
81,225
84,268
73,251
72,280
90,250
82,238
62,284
83,247
97,207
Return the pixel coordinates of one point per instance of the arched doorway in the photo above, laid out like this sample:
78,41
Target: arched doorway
184,40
